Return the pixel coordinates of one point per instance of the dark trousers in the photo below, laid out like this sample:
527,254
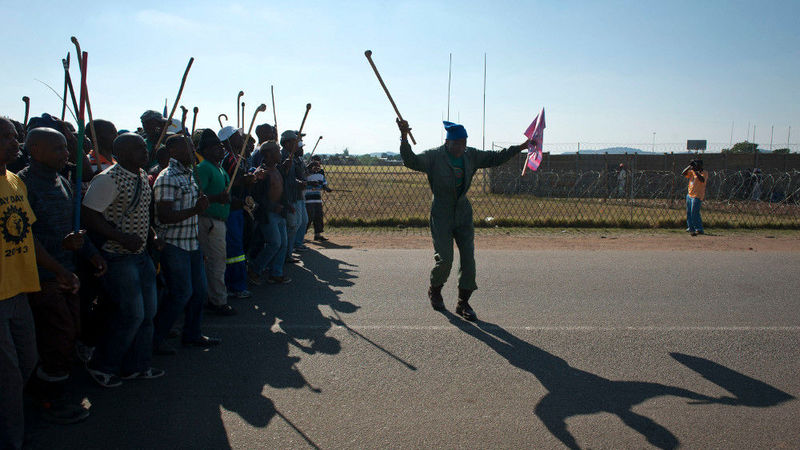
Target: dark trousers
17,360
315,216
187,290
56,314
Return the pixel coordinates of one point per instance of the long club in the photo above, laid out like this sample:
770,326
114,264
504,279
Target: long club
88,103
260,108
175,105
368,54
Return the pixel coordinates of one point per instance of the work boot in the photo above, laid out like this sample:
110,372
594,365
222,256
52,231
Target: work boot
462,307
435,295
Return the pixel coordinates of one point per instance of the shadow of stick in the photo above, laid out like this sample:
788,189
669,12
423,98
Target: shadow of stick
338,321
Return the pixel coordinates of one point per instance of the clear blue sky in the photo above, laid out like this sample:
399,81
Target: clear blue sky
613,71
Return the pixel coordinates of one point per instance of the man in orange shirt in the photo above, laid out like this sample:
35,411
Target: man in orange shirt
697,192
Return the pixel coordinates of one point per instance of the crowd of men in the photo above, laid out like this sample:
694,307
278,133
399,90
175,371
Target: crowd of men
161,233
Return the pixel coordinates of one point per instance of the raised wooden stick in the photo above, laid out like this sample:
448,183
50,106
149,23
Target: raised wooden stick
242,125
315,147
302,124
88,103
184,114
274,113
27,101
368,54
174,106
219,119
238,99
260,108
194,118
65,62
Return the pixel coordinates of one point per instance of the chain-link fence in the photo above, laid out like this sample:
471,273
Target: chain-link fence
595,191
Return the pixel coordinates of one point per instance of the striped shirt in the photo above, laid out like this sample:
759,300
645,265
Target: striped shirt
176,184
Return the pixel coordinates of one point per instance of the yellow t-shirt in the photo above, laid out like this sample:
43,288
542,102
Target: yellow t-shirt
697,188
17,255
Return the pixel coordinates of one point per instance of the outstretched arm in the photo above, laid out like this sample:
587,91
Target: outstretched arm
491,159
410,160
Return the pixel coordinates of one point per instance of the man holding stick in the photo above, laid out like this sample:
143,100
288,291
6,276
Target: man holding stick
212,180
450,169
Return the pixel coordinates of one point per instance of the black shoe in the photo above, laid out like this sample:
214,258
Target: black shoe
292,260
435,295
202,341
221,310
463,309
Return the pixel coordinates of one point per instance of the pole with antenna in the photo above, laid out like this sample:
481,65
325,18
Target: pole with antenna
449,77
483,126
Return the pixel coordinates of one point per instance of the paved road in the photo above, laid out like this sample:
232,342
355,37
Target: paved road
589,349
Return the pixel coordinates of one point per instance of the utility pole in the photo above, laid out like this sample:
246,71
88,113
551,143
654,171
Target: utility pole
771,133
654,142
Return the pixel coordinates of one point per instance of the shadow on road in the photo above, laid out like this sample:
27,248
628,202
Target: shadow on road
573,392
206,391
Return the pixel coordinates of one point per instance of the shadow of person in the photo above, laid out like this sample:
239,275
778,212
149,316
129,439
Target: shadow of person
573,392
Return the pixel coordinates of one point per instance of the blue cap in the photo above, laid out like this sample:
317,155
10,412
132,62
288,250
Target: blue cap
454,131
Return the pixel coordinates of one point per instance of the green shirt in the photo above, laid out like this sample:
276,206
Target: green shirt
213,180
458,171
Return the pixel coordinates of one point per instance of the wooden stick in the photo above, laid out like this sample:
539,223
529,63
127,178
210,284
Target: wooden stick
88,103
194,118
175,106
274,113
242,125
238,99
65,62
184,114
315,147
368,54
260,108
80,154
219,119
302,124
27,101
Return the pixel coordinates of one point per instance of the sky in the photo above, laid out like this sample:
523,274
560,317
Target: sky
605,71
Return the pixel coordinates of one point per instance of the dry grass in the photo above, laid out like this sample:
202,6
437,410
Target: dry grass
392,195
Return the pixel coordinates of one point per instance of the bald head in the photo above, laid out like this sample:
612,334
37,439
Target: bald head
131,151
47,146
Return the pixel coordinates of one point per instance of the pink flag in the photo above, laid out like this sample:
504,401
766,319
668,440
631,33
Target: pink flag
535,133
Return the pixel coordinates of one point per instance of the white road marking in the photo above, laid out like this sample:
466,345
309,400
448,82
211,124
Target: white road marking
256,326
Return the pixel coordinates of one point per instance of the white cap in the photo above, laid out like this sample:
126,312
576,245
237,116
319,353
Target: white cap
226,133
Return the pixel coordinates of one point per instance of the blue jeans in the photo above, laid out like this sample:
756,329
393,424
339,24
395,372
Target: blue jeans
273,254
302,226
128,344
693,220
187,290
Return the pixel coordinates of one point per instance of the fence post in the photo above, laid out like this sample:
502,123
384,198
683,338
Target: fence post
672,183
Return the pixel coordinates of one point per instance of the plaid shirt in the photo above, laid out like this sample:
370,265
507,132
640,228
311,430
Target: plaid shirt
176,184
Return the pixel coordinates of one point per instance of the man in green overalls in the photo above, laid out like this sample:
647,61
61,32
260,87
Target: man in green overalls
450,169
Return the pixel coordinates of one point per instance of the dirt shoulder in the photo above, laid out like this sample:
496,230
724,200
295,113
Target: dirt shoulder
572,239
